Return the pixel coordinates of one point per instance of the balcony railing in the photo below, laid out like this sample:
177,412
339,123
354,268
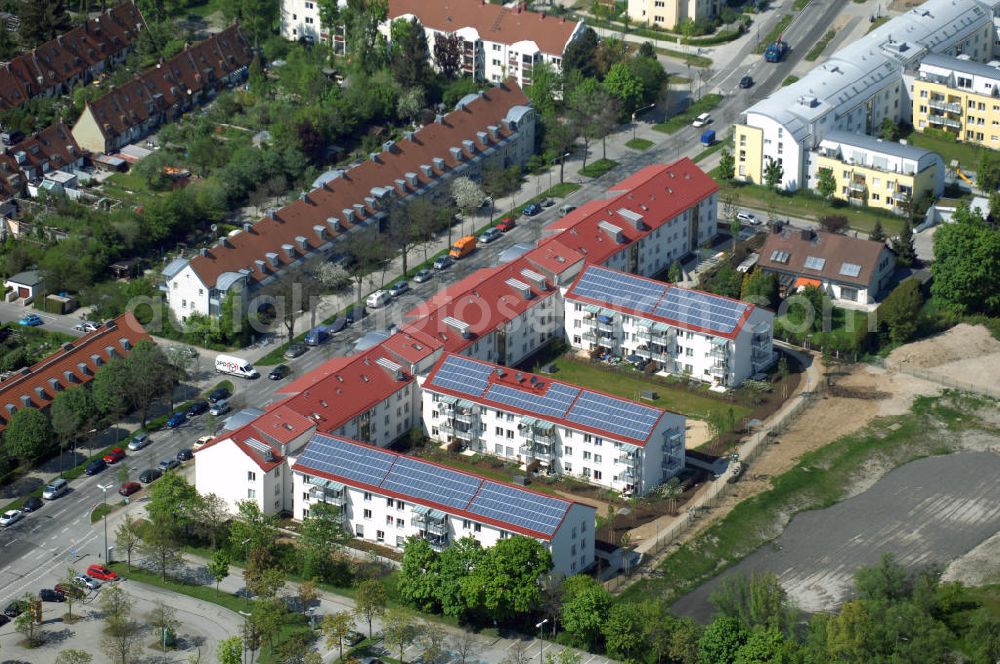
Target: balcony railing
606,342
628,457
941,105
467,417
856,186
940,119
589,336
606,327
466,434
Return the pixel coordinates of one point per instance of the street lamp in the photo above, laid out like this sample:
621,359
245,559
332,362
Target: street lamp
637,112
541,639
553,162
104,488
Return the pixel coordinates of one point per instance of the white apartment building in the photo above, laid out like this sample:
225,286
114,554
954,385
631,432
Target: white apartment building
494,126
856,88
388,498
545,424
685,332
300,21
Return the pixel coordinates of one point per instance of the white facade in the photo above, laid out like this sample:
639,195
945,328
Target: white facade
300,21
385,421
233,474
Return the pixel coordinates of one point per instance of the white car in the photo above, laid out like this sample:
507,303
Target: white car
200,443
747,218
10,517
86,326
86,581
702,120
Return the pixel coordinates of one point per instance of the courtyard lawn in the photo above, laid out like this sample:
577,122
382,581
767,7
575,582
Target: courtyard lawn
966,155
695,403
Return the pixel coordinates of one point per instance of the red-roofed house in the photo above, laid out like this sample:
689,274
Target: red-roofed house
74,365
493,126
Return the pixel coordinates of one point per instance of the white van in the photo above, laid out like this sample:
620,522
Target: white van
235,366
379,298
702,120
54,489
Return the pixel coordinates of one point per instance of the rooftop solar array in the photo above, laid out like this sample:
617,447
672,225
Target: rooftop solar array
422,481
704,310
619,288
814,263
463,375
522,508
850,269
779,256
555,402
616,415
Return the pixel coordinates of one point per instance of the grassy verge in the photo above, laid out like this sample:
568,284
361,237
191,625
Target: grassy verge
639,144
820,479
799,5
820,46
806,205
776,32
792,78
967,155
881,20
681,120
598,168
704,154
679,399
203,593
687,58
100,511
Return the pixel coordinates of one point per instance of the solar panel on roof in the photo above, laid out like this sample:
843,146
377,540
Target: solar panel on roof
426,481
620,289
614,415
850,269
779,256
526,509
703,310
354,462
462,375
555,402
814,263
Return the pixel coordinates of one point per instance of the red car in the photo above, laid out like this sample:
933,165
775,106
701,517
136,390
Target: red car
129,488
114,455
506,224
102,573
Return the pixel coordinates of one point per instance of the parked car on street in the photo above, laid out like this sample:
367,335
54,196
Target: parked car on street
139,441
86,326
442,262
86,581
101,572
185,454
149,475
31,504
50,595
200,443
30,320
489,235
295,350
422,276
15,608
115,455
197,408
506,224
177,419
218,394
10,517
95,466
532,210
747,218
55,488
279,372
398,288
169,464
746,82
354,314
129,488
219,408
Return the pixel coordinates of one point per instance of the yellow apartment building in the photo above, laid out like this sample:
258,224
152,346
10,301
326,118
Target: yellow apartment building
959,96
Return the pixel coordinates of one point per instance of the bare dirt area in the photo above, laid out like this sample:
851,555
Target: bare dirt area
964,354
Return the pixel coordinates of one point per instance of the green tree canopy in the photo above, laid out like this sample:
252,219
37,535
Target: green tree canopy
722,640
584,609
420,575
28,434
624,85
900,311
505,582
966,265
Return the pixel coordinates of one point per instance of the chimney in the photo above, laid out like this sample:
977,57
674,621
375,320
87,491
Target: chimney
400,185
334,224
469,146
247,227
348,215
371,202
408,135
806,234
304,197
481,135
494,132
320,230
359,210
427,171
203,251
456,154
272,258
224,242
302,242
439,163
389,146
273,214
374,157
289,250
261,265
439,118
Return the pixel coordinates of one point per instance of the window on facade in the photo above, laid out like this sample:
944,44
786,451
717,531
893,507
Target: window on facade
477,528
597,458
251,476
586,471
400,523
251,493
368,496
597,474
379,536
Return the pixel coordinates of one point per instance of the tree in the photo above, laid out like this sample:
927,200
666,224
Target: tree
264,581
218,567
448,54
420,575
765,646
128,537
889,130
454,564
671,491
580,55
74,656
73,592
292,295
332,276
774,172
726,281
559,139
123,634
906,253
760,288
307,594
826,185
336,627
410,55
834,223
877,234
623,631
42,21
432,638
966,265
258,17
112,388
172,504
721,640
468,196
28,434
757,600
584,610
505,582
851,634
988,171
410,102
160,548
211,514
398,630
727,165
885,581
545,88
148,381
25,623
517,654
622,84
364,250
164,618
369,601
268,616
464,646
252,524
984,636
230,651
684,644
675,274
900,311
70,412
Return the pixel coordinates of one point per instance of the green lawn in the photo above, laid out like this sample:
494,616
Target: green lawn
639,144
775,33
675,398
598,168
681,120
688,58
704,154
821,45
967,155
789,80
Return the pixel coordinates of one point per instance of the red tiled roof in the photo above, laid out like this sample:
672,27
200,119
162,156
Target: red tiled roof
172,83
411,346
494,23
49,150
834,249
37,385
69,55
301,218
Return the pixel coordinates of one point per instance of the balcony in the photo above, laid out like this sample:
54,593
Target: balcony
941,105
589,336
466,434
857,186
606,342
327,491
605,327
942,120
644,353
628,458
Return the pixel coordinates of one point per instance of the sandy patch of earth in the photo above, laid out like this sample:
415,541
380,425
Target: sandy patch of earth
964,354
696,433
978,567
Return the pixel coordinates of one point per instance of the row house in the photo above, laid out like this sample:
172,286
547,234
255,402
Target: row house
163,92
75,364
684,332
494,126
552,426
73,58
389,498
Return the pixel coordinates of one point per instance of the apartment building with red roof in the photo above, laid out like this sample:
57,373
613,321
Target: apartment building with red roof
74,58
73,365
192,77
495,126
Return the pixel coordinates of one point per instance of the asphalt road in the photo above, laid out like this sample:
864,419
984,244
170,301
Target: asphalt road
931,510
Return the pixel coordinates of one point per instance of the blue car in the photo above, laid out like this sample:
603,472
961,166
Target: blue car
30,320
176,420
532,210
